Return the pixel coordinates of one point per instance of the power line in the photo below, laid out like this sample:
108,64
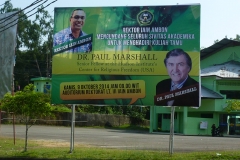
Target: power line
22,15
28,16
12,15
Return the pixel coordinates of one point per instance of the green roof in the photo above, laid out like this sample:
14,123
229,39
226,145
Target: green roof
41,79
224,43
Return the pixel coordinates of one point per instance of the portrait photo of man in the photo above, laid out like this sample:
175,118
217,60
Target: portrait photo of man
77,21
180,89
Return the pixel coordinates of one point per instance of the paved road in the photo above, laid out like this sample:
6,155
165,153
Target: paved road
110,138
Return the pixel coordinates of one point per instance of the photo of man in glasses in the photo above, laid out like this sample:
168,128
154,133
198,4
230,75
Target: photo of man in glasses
77,21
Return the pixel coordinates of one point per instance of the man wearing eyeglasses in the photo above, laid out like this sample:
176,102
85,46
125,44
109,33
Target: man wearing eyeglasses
180,89
77,21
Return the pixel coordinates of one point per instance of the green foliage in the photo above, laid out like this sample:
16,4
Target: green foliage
216,41
60,108
27,103
7,7
237,38
232,105
136,113
96,109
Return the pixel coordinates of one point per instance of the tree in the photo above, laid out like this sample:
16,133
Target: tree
237,38
216,41
28,105
34,43
232,105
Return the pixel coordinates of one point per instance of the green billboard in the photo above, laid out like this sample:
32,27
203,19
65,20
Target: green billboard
134,55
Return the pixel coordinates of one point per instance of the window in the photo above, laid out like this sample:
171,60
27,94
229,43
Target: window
231,94
168,116
47,88
206,115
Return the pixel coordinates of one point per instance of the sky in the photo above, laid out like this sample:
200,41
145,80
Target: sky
219,18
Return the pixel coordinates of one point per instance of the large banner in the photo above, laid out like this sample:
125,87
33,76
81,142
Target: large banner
8,42
136,55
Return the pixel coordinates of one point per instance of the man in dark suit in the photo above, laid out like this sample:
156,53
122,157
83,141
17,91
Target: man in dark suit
180,89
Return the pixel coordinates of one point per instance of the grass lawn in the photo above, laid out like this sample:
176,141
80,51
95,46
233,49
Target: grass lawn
60,151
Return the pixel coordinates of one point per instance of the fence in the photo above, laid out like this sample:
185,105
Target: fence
81,119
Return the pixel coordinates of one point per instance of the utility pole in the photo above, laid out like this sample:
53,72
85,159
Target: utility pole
38,66
47,69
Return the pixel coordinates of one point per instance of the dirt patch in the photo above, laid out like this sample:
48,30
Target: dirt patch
57,143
